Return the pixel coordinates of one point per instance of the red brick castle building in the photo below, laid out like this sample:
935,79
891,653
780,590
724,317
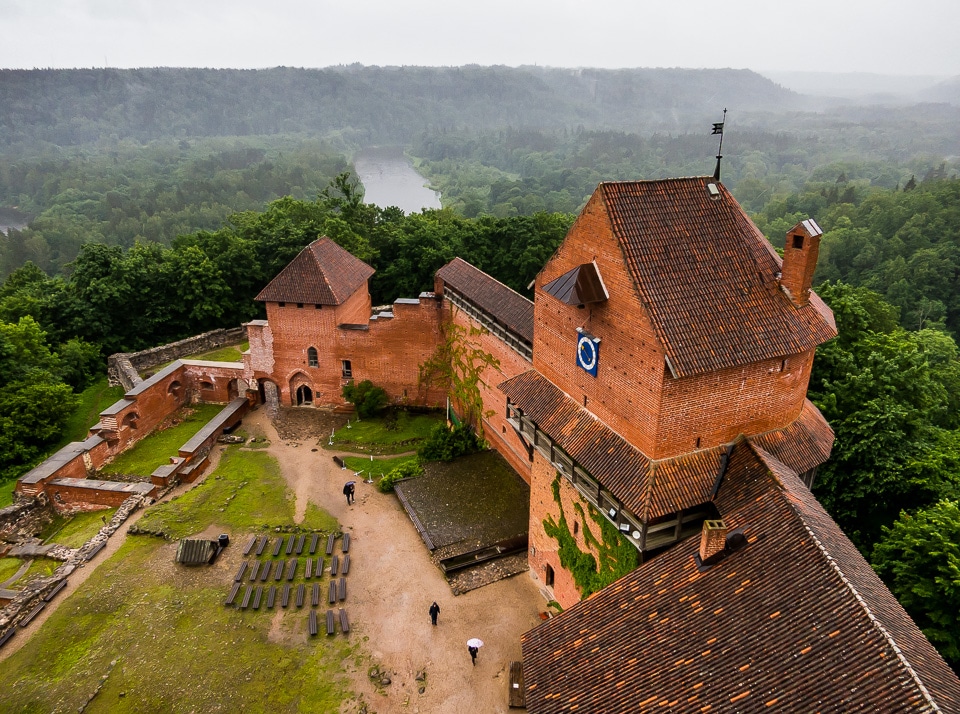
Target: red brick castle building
655,389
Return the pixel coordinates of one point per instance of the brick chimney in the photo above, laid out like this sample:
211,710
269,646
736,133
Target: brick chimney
800,261
713,539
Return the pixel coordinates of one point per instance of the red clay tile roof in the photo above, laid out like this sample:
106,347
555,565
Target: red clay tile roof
804,444
508,307
708,277
650,489
796,621
323,273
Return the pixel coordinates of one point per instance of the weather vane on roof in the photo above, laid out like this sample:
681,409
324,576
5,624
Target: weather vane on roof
718,129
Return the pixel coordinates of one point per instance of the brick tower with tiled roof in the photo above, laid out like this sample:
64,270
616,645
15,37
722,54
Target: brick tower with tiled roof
663,332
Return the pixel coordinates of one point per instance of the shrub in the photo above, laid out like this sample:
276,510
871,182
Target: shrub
447,444
408,470
366,397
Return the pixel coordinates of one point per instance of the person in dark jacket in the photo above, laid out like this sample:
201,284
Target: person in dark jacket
434,611
348,491
473,654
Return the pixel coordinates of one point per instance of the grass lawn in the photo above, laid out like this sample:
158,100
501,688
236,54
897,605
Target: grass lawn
176,647
9,566
245,493
233,353
39,566
93,400
156,449
6,492
377,466
73,532
370,436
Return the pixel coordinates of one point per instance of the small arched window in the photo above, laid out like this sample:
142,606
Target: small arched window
312,360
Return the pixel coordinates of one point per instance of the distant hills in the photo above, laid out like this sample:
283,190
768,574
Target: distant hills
360,105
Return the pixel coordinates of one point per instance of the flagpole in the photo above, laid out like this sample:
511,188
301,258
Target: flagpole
718,129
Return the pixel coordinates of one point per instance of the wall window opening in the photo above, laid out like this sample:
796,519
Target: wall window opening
312,359
347,369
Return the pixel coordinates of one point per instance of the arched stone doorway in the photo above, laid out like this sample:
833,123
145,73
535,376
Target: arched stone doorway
269,394
304,396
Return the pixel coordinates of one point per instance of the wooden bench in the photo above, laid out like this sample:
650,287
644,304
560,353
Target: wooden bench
342,589
329,622
332,593
255,571
517,694
271,596
247,593
261,544
291,568
53,593
330,540
290,545
299,547
344,622
301,592
93,553
7,635
277,547
249,546
233,594
318,571
345,567
315,595
334,565
285,595
257,594
278,571
33,613
314,539
312,623
309,571
345,545
264,571
240,573
338,461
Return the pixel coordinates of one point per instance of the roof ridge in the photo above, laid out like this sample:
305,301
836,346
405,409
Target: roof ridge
316,259
467,262
831,561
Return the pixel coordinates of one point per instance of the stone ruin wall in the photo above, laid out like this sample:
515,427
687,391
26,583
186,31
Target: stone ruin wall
123,368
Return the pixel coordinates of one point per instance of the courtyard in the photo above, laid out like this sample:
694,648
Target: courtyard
146,635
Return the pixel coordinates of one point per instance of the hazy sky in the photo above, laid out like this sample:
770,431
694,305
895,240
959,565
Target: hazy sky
884,36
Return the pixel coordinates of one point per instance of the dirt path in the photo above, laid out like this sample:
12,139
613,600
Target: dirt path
392,583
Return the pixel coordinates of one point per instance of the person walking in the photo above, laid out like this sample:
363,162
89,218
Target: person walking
473,654
434,611
348,490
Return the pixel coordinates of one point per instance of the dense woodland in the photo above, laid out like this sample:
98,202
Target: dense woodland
155,212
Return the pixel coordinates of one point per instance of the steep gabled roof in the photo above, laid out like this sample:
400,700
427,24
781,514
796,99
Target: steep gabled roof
507,306
323,273
796,621
708,277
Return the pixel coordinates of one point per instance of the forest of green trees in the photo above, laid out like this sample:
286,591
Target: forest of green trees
151,220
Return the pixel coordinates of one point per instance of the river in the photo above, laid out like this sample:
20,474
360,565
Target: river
389,179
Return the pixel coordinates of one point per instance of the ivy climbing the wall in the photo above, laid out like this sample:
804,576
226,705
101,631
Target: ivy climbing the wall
617,556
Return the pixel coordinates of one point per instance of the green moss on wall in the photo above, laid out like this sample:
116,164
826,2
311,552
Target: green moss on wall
617,556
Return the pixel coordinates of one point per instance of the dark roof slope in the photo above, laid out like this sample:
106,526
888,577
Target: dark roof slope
507,306
323,273
708,277
796,621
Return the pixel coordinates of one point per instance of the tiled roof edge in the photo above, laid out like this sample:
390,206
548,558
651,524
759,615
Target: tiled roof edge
891,641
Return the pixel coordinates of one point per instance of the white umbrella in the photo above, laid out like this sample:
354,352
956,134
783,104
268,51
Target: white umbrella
474,642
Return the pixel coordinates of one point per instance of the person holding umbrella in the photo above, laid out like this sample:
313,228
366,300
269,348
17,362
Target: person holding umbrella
473,646
348,490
